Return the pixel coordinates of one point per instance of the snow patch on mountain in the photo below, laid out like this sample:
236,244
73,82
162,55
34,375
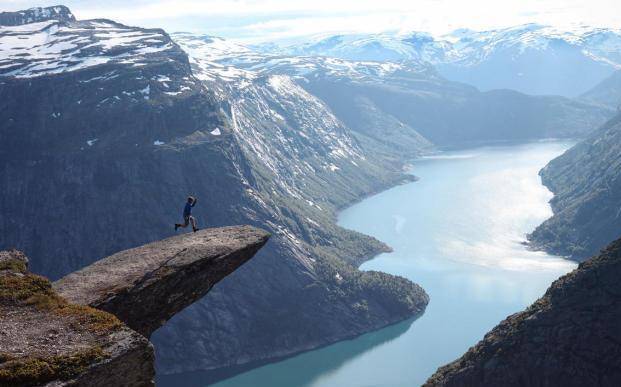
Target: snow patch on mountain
52,47
220,59
465,46
282,127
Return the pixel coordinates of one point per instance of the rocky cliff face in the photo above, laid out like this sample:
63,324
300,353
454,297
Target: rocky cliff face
67,333
586,181
569,337
108,128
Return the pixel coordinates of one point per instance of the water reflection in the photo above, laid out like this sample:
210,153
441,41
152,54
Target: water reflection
302,370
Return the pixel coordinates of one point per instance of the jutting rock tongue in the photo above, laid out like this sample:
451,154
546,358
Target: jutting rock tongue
35,15
147,285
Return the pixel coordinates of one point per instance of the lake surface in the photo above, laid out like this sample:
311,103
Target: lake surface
458,232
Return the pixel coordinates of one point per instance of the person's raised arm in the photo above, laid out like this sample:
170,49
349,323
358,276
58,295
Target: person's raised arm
194,202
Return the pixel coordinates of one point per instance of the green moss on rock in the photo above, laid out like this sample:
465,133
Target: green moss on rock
14,265
34,290
16,289
31,371
19,289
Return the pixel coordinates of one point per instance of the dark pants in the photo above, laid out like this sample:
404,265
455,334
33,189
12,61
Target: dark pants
187,220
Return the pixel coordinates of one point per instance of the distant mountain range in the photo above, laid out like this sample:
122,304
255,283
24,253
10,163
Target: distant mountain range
106,128
532,58
393,103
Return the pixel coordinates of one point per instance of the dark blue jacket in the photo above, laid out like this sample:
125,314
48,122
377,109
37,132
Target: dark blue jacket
187,210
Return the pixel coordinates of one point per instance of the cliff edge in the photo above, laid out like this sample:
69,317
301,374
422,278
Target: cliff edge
569,337
147,285
89,328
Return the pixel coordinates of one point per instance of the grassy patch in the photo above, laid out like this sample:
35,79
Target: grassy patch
4,357
95,320
14,265
15,289
30,290
34,290
35,371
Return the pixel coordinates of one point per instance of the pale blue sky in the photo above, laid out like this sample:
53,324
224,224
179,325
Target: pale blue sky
258,20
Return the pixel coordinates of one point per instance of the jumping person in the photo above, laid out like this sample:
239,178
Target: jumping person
187,215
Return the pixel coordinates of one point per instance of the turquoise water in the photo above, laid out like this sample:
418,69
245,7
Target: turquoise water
458,232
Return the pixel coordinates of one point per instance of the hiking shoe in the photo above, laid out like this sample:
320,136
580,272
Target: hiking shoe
196,229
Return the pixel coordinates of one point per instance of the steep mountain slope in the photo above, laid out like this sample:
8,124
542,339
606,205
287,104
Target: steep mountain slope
216,58
607,92
531,58
399,105
569,337
105,129
83,136
586,182
304,166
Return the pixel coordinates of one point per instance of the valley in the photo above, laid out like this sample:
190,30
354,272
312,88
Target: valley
452,234
105,128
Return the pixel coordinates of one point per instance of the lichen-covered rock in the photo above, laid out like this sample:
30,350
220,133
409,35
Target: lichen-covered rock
147,285
569,337
44,340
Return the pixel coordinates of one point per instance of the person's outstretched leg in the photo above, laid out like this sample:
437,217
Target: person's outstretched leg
194,228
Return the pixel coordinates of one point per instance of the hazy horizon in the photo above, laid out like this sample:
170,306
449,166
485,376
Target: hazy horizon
253,21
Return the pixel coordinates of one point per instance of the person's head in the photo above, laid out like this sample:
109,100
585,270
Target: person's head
190,199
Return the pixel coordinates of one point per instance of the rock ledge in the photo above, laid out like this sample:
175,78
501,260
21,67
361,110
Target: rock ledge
147,285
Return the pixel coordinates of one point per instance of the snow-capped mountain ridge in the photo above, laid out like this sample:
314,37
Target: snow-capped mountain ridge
37,14
458,45
531,58
51,47
218,58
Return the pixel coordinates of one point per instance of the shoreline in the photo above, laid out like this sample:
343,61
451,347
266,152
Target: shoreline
221,374
210,377
213,376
